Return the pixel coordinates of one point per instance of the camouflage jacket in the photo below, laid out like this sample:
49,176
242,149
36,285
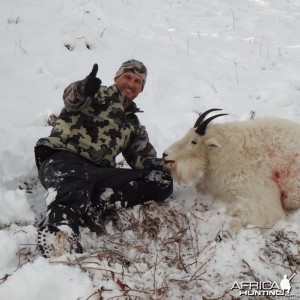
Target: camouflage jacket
101,127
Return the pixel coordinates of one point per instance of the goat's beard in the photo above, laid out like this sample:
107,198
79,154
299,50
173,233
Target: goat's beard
186,171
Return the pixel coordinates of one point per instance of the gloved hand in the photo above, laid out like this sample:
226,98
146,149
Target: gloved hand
89,86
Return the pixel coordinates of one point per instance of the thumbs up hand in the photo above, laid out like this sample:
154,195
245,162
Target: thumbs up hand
89,86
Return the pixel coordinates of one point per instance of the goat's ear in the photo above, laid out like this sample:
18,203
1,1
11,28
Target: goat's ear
213,143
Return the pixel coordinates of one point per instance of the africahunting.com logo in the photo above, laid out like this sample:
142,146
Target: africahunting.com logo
265,288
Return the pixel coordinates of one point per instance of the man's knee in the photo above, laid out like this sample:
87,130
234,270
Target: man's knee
165,189
156,186
162,179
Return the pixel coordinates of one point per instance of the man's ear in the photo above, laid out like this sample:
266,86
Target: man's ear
212,143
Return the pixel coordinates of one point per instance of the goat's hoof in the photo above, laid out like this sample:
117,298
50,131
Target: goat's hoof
222,236
234,225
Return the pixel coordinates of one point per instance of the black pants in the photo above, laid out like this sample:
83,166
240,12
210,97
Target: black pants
84,191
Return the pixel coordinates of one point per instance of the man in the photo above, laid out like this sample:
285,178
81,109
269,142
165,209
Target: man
77,161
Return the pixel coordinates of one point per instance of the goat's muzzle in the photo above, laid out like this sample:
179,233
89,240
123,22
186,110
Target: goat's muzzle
167,161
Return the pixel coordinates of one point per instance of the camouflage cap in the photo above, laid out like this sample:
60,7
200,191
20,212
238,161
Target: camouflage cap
135,67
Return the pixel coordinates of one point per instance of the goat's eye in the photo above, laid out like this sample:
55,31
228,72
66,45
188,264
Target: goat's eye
194,142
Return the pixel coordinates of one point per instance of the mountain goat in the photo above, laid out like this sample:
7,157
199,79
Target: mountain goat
254,166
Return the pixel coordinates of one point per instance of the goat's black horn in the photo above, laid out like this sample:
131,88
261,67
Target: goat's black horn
203,115
202,127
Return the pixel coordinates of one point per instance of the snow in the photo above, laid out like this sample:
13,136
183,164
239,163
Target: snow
242,56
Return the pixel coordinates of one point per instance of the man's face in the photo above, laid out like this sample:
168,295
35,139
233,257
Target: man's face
129,84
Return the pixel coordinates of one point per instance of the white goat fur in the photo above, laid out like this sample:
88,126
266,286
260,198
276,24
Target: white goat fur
254,166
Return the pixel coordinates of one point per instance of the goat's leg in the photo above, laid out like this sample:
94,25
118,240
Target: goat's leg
261,210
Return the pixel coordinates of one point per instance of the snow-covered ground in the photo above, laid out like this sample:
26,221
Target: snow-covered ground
239,55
